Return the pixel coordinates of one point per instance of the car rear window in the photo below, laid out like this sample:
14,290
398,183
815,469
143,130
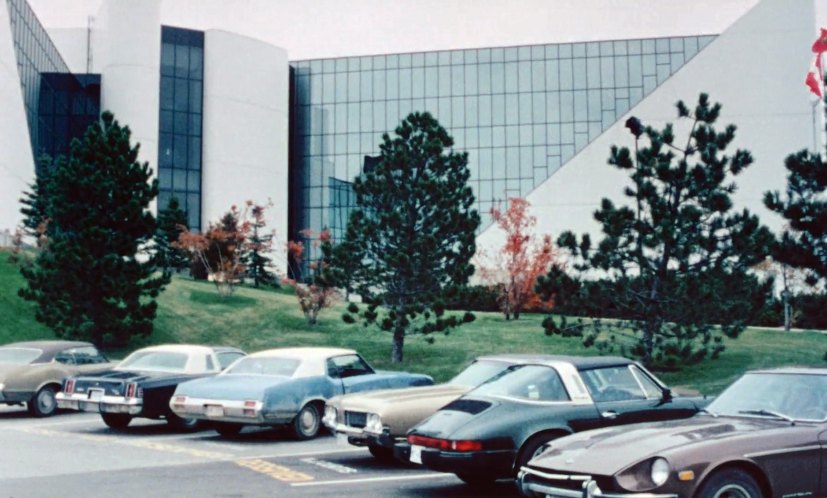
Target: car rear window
478,372
165,361
265,366
529,382
19,356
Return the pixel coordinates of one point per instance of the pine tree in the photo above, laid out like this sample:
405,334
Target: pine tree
413,232
93,280
255,257
172,221
674,247
804,206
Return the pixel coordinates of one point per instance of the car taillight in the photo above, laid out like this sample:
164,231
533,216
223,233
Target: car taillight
132,390
445,444
249,408
70,386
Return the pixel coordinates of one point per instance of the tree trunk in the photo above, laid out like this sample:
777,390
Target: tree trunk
398,344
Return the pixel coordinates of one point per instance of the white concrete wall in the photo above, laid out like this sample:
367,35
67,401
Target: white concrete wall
16,161
246,86
756,69
127,39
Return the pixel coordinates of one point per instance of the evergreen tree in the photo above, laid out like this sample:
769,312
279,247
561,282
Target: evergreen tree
674,248
255,257
804,206
172,220
35,202
413,232
92,280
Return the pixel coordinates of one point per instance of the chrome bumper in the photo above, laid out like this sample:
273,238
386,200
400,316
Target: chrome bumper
218,410
104,404
589,487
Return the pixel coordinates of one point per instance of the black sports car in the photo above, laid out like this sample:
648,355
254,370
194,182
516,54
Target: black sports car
143,383
492,431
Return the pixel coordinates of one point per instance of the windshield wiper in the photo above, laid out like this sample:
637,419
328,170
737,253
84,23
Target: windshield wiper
704,410
768,413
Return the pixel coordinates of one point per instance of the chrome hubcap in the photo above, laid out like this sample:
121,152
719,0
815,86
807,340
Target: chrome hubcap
307,421
46,401
732,491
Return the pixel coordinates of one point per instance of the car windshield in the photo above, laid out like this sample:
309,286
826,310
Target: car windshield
775,395
166,361
478,372
19,356
264,366
530,382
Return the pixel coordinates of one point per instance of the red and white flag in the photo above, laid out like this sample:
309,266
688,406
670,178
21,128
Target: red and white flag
815,77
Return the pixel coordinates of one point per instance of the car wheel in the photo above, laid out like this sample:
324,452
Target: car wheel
381,453
43,403
477,480
732,483
228,430
307,422
533,447
183,424
116,420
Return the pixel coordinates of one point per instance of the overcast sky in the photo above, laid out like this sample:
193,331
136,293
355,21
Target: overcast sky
329,28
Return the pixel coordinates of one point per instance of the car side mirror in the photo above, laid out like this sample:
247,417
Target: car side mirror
667,395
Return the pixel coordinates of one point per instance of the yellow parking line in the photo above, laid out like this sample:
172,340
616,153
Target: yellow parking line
278,472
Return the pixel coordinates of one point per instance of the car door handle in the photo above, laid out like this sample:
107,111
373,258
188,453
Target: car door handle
610,414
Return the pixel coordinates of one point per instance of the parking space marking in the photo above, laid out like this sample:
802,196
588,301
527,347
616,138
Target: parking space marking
435,475
278,472
314,453
335,467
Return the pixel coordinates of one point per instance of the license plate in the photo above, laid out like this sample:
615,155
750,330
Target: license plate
341,439
416,454
214,411
95,394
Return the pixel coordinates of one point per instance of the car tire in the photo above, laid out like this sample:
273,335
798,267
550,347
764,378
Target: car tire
730,483
226,429
183,424
381,453
307,422
532,448
116,420
43,403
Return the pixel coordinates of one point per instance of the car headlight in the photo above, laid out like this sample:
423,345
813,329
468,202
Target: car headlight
330,416
374,423
660,471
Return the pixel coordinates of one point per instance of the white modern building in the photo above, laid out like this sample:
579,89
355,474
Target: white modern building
223,118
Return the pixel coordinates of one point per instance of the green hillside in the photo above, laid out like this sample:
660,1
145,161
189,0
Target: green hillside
192,312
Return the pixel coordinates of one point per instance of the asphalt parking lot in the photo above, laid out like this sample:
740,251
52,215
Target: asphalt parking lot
76,455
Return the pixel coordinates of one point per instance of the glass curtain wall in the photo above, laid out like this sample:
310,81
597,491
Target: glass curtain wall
179,149
520,112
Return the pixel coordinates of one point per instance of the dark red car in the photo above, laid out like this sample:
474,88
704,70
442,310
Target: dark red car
764,436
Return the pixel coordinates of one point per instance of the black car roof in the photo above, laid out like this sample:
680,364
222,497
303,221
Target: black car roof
579,362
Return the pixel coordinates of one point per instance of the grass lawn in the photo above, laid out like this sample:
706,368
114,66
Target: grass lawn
192,312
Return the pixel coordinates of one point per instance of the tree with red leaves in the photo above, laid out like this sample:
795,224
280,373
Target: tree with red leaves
316,291
220,249
513,270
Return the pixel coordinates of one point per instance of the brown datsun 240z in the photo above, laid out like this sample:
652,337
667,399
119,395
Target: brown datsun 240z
765,436
33,372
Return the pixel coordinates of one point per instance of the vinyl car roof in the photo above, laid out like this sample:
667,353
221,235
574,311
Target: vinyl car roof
305,353
49,348
792,370
579,362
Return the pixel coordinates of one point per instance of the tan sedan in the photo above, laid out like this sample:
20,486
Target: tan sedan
33,372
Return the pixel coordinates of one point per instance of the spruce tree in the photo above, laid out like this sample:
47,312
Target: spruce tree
413,232
93,279
670,252
172,220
